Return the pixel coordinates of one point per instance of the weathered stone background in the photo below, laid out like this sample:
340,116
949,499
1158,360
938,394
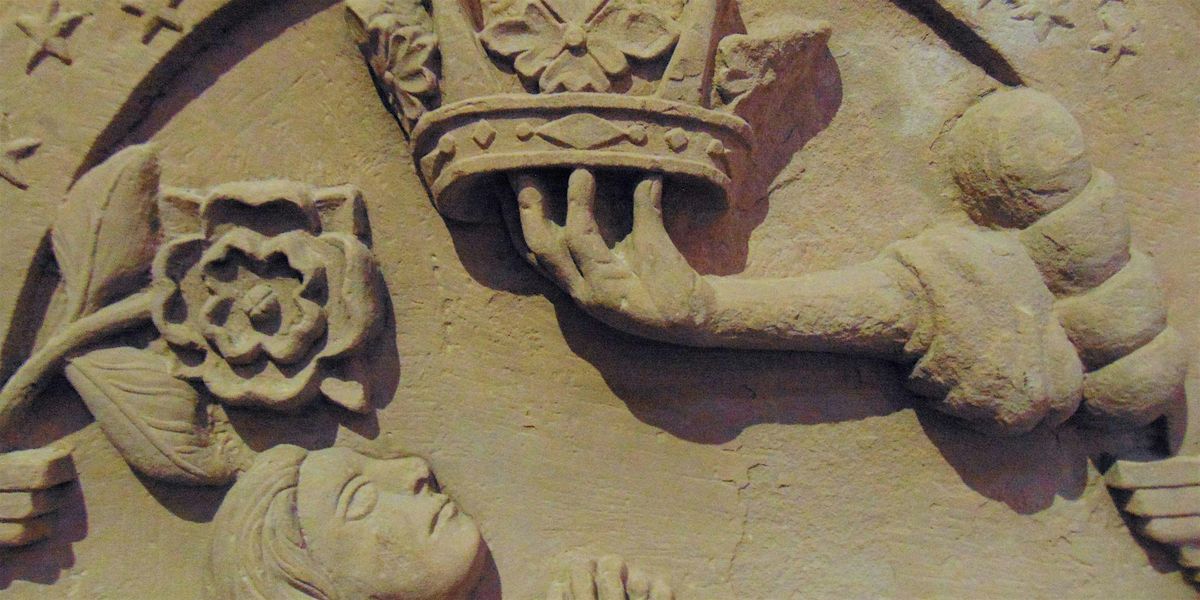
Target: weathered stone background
741,475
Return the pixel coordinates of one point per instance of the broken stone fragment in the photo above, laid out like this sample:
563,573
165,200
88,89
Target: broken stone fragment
752,70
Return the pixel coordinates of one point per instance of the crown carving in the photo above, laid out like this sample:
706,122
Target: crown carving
485,88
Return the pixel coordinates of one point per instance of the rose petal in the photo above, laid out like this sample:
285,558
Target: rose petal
233,337
574,73
534,30
270,207
267,387
172,315
348,394
638,33
354,307
531,64
607,55
296,339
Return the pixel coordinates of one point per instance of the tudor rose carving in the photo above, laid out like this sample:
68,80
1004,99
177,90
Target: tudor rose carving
262,292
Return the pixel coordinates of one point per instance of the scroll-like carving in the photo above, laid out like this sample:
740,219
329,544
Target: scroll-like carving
1039,310
1163,497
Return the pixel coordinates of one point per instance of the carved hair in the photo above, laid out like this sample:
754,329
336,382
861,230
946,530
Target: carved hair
258,548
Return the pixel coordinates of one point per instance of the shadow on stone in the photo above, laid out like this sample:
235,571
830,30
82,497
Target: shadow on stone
1026,472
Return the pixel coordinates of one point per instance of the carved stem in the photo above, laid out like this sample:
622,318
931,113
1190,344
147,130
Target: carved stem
28,381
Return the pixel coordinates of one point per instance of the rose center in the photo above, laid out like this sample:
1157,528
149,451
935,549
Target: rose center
261,305
574,37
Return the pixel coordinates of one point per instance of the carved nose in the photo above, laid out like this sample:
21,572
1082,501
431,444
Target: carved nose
418,477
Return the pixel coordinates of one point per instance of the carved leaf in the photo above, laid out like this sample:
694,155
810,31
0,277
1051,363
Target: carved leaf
157,422
104,234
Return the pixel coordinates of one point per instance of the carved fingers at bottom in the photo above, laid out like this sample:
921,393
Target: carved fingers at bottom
33,486
610,578
1164,498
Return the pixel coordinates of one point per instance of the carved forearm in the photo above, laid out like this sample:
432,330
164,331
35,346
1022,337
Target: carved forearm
864,309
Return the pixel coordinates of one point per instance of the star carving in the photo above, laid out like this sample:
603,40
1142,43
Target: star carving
49,32
1119,38
1045,15
157,16
12,151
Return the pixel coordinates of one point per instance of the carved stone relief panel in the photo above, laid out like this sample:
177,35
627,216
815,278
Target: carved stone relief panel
690,298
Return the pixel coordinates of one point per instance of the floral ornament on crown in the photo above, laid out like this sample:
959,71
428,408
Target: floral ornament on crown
264,300
398,39
578,55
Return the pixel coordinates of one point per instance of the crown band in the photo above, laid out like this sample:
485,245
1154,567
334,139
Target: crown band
465,145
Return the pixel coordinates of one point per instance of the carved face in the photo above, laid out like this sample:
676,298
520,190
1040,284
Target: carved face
384,529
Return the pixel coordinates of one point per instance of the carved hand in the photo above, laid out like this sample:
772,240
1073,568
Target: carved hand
1164,498
610,578
967,306
643,285
32,487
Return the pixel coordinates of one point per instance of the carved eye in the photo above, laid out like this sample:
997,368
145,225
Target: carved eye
358,499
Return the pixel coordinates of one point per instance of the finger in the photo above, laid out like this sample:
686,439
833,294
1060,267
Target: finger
583,580
1173,472
654,258
24,533
543,237
28,470
1173,530
638,586
591,253
648,227
611,574
512,222
18,506
1165,502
